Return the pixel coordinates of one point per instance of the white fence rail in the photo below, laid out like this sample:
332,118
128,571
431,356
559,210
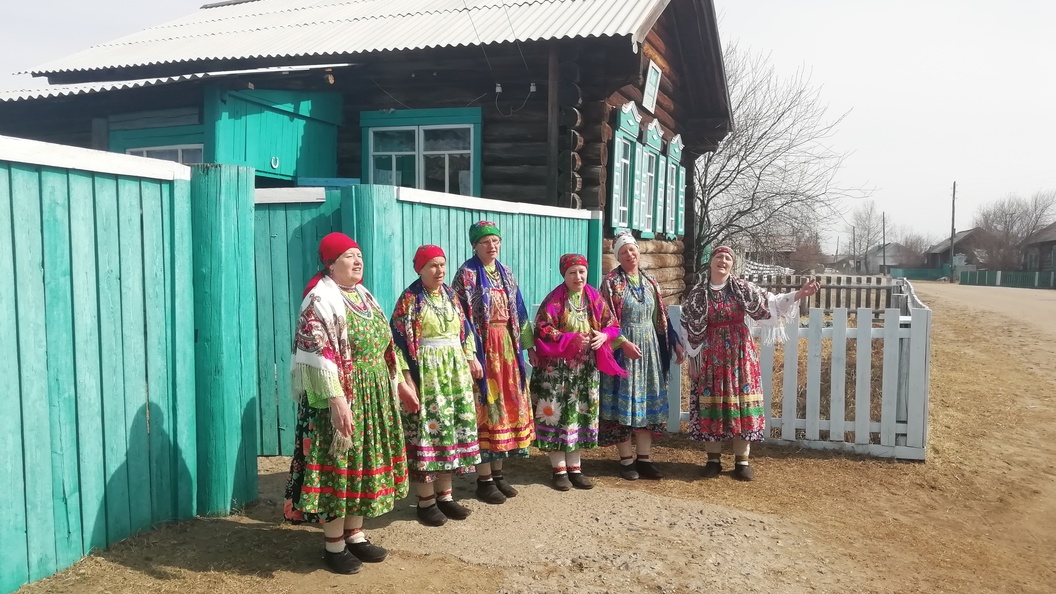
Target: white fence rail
818,407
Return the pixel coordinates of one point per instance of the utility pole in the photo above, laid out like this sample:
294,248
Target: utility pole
883,240
953,227
836,256
854,253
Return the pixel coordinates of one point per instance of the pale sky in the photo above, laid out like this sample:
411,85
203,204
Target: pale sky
938,90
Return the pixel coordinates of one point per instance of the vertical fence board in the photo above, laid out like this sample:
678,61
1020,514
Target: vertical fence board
838,377
918,378
159,397
184,413
285,313
674,383
89,389
14,556
790,388
813,408
249,389
58,312
133,345
863,385
33,370
889,380
266,344
766,362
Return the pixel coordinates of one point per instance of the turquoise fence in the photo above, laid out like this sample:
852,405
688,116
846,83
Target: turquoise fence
104,309
999,278
389,223
921,273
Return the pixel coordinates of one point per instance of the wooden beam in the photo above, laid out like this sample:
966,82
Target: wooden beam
553,112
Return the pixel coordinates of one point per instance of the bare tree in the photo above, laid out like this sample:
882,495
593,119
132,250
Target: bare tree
1008,222
911,246
774,173
866,230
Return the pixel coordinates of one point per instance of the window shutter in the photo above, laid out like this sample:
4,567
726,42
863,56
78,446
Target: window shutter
617,195
637,214
660,195
681,214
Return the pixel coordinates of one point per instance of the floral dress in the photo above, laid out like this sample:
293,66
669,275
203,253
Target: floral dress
726,401
504,413
566,391
369,478
638,401
442,435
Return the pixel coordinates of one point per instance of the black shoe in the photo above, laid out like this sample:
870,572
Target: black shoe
628,473
712,469
579,481
343,562
431,516
366,552
561,482
488,492
504,486
453,510
743,472
647,470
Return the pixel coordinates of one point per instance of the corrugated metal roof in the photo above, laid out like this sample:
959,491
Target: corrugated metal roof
288,28
52,91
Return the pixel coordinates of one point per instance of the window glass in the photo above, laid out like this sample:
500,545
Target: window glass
648,191
395,141
446,139
190,156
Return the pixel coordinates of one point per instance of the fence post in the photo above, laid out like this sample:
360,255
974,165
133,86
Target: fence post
594,251
674,381
225,331
997,281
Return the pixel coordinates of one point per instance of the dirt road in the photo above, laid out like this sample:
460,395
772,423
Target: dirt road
978,516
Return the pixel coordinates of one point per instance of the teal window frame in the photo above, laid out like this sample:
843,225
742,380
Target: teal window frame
652,180
625,180
675,211
424,119
122,141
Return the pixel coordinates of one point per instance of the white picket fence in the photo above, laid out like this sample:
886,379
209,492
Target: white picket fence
899,427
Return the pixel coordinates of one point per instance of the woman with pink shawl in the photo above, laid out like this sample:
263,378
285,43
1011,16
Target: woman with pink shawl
573,333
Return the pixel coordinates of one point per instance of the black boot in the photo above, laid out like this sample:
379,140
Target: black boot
453,510
366,552
647,470
431,515
742,472
503,485
713,467
560,481
488,492
579,481
344,562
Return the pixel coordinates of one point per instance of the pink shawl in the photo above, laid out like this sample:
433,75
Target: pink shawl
553,342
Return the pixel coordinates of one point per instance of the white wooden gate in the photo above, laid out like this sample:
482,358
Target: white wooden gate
851,416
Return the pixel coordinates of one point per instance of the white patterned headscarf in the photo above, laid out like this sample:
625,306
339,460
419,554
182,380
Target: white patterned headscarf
623,238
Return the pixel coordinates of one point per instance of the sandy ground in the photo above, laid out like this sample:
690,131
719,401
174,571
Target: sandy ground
979,516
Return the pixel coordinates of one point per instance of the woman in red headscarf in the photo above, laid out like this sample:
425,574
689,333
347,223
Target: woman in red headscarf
349,460
435,348
726,395
573,333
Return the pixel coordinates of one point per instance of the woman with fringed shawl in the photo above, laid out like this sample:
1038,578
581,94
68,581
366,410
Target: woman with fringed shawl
498,319
637,405
435,347
349,460
726,396
573,333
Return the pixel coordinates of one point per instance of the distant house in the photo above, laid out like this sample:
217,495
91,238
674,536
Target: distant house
882,258
968,243
1041,250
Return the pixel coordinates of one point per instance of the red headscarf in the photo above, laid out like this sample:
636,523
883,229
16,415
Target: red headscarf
570,260
426,253
330,249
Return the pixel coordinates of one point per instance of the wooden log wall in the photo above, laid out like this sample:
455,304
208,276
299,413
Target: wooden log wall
570,98
514,121
662,259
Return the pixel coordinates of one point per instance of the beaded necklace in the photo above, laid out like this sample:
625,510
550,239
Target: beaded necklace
355,302
444,313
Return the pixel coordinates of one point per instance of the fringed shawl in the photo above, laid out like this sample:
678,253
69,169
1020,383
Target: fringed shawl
613,289
759,306
406,322
322,356
473,288
551,341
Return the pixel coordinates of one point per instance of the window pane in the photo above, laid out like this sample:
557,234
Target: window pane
165,154
435,173
382,171
446,139
460,175
394,141
191,155
407,171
